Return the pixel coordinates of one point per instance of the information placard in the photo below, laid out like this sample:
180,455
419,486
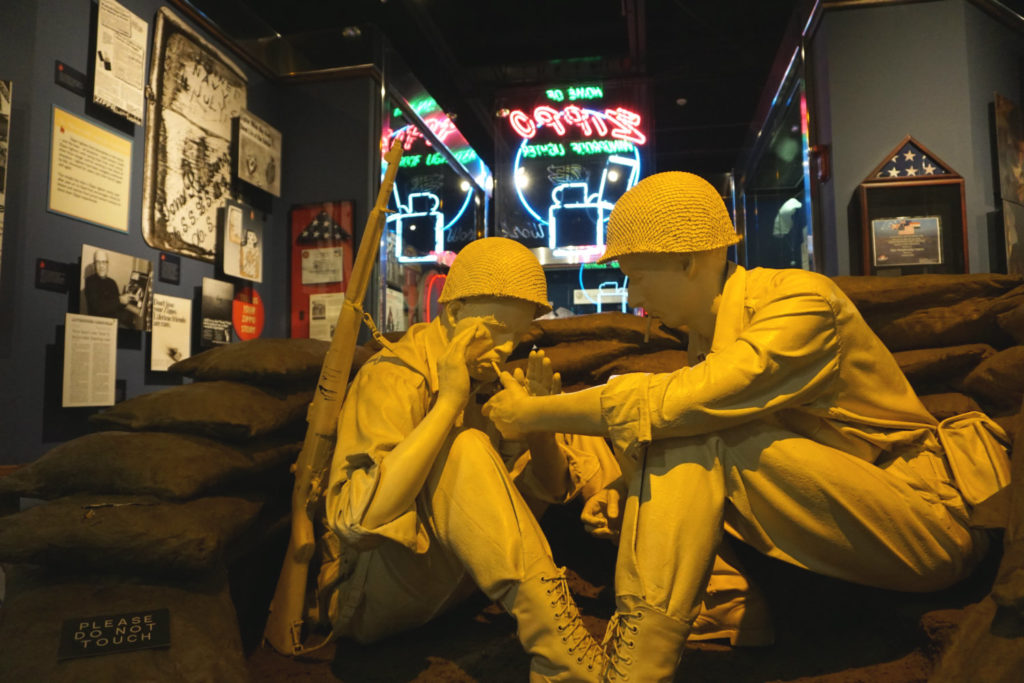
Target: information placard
90,360
90,172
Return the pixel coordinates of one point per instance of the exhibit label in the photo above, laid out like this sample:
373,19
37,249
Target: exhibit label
120,74
90,172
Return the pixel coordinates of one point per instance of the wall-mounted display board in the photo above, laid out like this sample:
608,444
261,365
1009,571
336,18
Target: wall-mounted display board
321,260
565,155
1009,141
195,95
912,215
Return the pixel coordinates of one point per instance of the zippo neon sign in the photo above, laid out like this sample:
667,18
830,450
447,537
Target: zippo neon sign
620,123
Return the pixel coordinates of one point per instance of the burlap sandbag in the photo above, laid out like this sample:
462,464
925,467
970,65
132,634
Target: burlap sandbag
948,404
204,642
1012,322
617,326
999,379
941,367
577,360
876,294
166,465
262,361
218,409
134,534
969,321
667,360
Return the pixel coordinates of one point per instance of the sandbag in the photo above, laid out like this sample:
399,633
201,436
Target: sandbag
218,409
166,465
131,534
261,361
204,638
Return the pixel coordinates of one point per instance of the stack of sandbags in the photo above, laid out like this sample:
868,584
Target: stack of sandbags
588,349
957,337
152,512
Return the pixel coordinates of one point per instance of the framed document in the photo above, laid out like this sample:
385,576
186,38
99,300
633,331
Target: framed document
906,241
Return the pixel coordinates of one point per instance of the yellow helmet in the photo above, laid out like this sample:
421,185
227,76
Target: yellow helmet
669,213
497,266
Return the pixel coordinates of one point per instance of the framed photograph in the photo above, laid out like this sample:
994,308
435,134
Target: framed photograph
906,241
117,286
197,95
242,242
1009,131
321,258
259,153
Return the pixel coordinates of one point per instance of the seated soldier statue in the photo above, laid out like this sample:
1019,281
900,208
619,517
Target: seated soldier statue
792,428
428,499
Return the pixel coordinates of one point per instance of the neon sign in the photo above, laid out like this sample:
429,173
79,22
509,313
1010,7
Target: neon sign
621,123
570,153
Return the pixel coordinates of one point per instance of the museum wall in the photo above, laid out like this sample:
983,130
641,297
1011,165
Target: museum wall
327,139
924,69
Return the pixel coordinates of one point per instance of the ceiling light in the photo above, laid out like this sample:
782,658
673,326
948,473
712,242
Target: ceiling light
681,101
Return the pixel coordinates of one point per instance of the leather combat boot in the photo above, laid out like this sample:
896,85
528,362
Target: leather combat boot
642,643
551,630
740,616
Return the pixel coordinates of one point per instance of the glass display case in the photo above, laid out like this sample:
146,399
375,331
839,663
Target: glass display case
773,190
438,204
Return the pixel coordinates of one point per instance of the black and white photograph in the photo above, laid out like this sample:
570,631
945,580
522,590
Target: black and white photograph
215,310
115,285
259,153
198,92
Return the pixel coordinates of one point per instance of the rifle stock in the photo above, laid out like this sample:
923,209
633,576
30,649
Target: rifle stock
287,608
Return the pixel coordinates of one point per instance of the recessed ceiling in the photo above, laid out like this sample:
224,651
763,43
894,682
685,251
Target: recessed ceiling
714,54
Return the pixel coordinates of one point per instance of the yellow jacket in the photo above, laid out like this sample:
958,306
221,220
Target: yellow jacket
390,396
791,348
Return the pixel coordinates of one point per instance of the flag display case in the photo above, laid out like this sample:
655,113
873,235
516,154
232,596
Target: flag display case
911,215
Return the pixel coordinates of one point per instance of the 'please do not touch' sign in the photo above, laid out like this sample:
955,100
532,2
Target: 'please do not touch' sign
107,634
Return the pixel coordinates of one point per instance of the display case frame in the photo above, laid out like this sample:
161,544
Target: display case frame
925,214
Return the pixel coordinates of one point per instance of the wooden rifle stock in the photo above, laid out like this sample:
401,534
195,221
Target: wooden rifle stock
287,609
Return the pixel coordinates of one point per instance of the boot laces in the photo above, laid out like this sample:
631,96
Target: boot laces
620,637
570,625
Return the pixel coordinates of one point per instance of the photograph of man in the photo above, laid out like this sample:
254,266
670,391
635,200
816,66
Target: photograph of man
102,293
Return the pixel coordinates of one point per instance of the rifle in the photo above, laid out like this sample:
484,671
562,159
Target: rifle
287,608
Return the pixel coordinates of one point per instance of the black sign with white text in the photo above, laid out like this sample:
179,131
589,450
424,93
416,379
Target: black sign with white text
107,634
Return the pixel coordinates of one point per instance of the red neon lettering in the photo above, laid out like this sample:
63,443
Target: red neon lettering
522,124
549,116
577,117
442,127
624,123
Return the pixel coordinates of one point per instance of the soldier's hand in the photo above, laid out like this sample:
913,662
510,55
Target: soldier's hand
452,370
602,514
540,378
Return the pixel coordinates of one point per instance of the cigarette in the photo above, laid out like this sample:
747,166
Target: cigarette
497,371
647,330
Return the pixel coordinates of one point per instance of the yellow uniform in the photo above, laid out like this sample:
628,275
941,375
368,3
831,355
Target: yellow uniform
471,523
795,430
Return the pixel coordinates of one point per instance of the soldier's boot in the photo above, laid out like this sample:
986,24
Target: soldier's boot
642,643
551,630
740,616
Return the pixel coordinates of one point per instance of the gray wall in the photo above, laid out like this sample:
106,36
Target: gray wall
924,69
327,135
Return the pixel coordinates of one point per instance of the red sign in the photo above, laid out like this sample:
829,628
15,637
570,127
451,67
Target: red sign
247,313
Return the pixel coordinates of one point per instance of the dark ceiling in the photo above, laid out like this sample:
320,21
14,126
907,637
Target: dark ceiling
706,62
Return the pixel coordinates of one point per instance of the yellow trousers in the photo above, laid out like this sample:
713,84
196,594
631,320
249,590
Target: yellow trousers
482,534
898,526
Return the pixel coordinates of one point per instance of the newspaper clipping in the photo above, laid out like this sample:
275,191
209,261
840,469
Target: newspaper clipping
120,61
90,361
